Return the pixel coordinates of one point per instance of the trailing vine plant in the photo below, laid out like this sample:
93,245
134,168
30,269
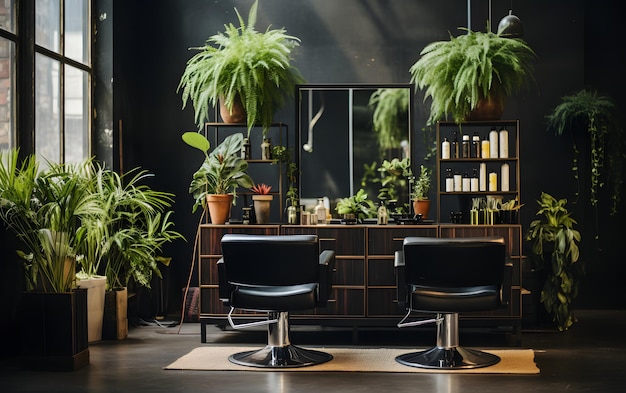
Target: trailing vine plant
595,114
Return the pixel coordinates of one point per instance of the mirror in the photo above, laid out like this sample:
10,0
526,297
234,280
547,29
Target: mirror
338,137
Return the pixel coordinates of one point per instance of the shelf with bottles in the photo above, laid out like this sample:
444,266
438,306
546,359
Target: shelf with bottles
478,159
257,151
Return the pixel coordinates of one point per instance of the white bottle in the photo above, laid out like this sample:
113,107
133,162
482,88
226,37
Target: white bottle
449,180
445,149
467,184
504,143
474,182
458,182
320,211
482,179
504,177
493,143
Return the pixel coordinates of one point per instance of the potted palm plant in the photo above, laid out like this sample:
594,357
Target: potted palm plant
241,65
215,183
44,208
555,245
470,76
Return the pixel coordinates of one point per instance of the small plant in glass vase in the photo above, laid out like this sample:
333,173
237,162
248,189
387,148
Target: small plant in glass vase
262,202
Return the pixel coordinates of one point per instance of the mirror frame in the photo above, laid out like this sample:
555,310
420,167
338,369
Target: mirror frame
305,87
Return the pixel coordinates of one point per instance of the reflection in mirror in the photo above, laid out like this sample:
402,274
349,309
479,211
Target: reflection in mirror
345,134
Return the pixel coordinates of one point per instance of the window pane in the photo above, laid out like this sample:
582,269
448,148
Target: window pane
77,30
47,23
76,115
7,92
47,108
7,15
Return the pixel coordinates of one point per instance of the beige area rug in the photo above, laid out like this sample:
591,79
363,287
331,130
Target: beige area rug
215,358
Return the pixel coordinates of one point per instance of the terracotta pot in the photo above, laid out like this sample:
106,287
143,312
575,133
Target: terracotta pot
421,206
262,208
236,115
219,207
489,108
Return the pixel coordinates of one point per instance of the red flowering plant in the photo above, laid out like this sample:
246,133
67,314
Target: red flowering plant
261,189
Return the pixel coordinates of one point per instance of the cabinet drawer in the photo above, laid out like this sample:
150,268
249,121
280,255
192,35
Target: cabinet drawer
383,302
511,234
343,239
386,240
211,235
349,272
381,272
344,301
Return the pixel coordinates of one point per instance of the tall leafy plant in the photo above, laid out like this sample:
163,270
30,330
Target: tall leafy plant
223,169
555,244
44,208
135,224
242,63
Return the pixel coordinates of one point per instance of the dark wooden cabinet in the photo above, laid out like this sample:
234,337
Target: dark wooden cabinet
364,288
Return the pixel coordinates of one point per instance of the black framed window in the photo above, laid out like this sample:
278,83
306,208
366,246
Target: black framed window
51,78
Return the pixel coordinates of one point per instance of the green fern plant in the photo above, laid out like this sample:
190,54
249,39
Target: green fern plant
595,115
390,116
244,64
457,74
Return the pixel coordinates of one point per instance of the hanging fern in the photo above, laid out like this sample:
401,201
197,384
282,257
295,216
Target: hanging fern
596,115
242,62
460,72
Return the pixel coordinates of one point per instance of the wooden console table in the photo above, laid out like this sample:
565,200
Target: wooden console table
364,288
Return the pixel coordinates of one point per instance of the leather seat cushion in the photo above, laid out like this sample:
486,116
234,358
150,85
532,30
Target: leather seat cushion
278,298
445,300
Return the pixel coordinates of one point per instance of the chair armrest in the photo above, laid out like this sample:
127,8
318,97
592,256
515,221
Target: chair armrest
225,288
507,283
326,271
401,292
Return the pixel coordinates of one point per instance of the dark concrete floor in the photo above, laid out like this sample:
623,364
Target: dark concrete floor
591,357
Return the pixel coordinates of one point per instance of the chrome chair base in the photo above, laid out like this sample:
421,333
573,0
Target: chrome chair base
448,358
287,356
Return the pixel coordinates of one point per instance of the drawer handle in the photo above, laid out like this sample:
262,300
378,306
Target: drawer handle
398,239
327,239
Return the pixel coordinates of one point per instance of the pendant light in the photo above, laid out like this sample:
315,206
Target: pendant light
511,26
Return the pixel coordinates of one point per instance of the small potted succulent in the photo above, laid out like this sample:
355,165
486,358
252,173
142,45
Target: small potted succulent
262,202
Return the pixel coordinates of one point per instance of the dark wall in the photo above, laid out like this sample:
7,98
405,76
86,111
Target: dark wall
370,41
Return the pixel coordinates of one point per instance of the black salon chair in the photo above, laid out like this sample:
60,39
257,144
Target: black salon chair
447,277
274,274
